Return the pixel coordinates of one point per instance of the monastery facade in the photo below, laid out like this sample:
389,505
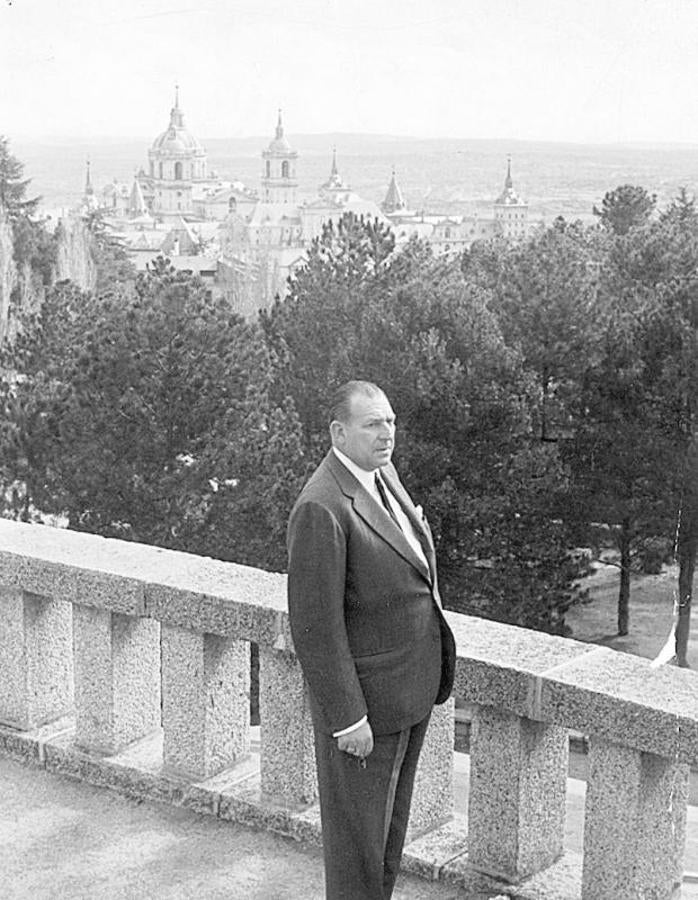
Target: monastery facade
446,233
246,243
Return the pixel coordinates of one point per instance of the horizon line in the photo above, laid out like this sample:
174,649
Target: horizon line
366,135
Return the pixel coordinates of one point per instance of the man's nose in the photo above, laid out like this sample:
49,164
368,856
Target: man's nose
387,430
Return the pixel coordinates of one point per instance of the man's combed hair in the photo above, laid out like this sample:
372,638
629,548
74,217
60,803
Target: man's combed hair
340,409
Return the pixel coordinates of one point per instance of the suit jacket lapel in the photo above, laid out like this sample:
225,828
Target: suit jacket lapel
408,507
376,518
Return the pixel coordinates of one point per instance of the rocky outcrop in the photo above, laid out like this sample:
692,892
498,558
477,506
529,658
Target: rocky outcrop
8,272
22,289
73,258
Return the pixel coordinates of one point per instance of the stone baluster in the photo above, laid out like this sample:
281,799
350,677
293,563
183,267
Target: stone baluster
205,702
634,824
516,813
287,749
432,799
36,658
117,678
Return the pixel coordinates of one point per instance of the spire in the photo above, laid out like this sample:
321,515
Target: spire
508,184
508,196
279,145
136,204
89,190
334,187
394,201
335,179
176,117
89,198
334,173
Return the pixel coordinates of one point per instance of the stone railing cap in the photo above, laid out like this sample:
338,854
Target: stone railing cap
543,677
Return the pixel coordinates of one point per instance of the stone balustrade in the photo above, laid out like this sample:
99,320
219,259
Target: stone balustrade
128,666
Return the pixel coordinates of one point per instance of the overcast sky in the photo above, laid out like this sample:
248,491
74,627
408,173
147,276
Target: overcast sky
563,70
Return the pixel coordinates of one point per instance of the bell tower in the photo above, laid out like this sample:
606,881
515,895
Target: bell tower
510,211
279,180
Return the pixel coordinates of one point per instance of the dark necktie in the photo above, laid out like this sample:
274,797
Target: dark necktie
380,487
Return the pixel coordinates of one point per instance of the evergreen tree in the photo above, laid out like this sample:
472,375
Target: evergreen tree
466,448
108,253
33,248
627,206
145,415
13,187
313,332
674,365
621,457
633,453
544,292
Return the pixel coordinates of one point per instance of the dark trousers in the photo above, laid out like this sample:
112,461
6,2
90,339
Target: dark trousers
365,812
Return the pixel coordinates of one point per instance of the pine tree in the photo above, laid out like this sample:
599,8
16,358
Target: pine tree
627,206
144,414
466,446
13,187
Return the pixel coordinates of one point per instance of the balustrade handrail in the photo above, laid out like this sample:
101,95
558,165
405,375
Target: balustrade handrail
156,643
556,680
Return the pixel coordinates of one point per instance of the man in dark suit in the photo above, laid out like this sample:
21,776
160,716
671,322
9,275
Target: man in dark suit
371,640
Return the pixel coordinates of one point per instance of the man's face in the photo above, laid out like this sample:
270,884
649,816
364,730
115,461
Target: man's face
368,437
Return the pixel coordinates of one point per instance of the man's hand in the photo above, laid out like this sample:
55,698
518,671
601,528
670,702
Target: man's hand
358,742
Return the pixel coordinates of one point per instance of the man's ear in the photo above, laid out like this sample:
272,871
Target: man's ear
337,433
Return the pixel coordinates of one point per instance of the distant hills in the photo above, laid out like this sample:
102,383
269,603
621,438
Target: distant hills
435,174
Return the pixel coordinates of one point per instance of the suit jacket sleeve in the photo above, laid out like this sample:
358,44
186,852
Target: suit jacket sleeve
316,586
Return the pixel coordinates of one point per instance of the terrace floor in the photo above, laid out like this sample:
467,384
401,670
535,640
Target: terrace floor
66,840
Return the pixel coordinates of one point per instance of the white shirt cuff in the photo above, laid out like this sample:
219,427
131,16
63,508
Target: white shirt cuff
351,728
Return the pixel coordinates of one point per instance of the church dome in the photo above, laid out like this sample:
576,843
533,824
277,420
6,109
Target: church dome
280,145
176,139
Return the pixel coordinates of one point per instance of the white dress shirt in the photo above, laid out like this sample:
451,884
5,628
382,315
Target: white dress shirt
368,481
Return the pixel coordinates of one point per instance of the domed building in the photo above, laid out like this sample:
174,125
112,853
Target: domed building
177,164
244,243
